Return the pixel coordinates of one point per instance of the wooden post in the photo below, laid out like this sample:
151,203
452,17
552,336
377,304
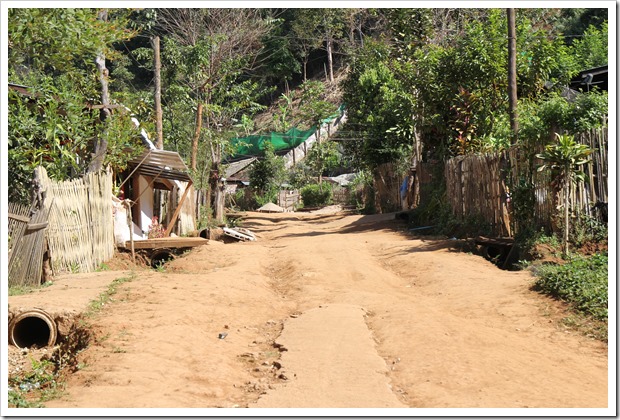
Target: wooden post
127,203
512,74
177,211
158,114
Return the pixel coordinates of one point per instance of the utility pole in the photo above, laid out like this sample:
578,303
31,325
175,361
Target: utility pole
512,74
158,114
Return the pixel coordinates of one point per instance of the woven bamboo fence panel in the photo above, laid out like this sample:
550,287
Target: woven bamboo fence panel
81,232
288,199
523,165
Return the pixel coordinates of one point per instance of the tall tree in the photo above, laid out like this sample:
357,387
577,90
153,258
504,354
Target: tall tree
157,78
101,143
218,46
512,73
306,36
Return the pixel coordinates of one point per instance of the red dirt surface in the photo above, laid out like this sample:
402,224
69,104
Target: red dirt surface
334,310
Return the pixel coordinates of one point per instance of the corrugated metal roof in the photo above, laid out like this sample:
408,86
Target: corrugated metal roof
161,164
238,166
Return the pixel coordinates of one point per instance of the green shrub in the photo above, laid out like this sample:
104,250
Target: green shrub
582,282
586,229
316,195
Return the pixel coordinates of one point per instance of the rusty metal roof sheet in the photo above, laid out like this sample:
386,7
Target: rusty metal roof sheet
161,164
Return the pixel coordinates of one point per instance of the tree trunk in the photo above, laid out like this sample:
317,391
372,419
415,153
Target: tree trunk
330,61
216,196
220,195
215,181
567,186
101,144
305,70
512,74
196,135
158,114
359,30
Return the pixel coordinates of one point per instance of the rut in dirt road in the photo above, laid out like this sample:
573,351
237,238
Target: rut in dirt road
335,311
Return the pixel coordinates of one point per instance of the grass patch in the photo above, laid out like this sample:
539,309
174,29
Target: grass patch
20,290
24,290
582,282
105,297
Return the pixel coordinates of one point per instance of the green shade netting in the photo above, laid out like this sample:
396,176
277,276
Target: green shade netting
253,145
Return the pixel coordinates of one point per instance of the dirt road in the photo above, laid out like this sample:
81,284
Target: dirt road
328,310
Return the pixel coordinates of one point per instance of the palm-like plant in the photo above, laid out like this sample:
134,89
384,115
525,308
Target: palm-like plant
564,158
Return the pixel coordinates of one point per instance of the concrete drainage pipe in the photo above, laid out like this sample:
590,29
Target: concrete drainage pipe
33,327
159,257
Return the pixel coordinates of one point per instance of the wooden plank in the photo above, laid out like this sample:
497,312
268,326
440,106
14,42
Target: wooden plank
177,210
168,243
36,226
24,219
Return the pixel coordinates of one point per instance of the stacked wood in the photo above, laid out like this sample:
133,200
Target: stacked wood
19,216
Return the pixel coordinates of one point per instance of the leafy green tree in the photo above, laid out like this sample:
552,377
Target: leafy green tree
591,49
377,102
322,158
313,106
52,52
305,36
267,175
564,159
573,22
541,59
278,62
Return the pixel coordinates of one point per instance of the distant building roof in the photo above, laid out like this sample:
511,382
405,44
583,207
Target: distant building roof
238,166
590,79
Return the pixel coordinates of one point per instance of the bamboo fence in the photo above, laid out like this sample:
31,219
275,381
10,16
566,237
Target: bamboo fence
476,186
19,216
26,244
80,232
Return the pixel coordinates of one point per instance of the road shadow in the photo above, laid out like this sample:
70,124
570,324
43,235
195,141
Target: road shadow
367,223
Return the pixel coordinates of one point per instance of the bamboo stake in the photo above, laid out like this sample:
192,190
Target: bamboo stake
133,252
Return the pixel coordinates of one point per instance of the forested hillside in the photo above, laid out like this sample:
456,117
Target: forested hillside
421,84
